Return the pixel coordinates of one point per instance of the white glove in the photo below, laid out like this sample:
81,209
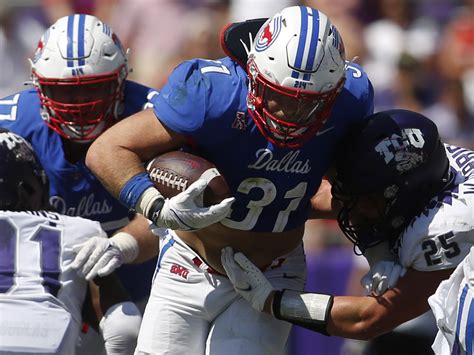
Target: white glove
120,326
382,276
248,280
385,270
184,211
100,256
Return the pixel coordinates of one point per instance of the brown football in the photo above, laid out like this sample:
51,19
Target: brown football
174,171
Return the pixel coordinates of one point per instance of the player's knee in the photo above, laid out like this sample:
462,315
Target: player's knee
120,327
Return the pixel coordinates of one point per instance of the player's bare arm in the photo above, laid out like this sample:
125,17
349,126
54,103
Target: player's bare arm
361,317
127,145
322,203
368,317
148,243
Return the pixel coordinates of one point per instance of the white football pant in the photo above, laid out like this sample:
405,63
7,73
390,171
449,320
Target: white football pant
193,311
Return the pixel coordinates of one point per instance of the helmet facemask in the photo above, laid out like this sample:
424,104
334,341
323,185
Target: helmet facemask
287,117
79,70
80,108
369,219
296,68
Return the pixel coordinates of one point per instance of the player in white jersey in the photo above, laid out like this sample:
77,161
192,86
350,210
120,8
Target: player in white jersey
397,183
452,305
41,295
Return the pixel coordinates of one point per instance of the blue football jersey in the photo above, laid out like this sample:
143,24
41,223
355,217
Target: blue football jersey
206,100
74,190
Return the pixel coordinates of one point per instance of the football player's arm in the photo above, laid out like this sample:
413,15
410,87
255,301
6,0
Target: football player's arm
362,317
118,154
117,158
323,206
100,256
147,243
366,317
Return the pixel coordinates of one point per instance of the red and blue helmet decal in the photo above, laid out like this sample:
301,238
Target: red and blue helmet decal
40,46
268,34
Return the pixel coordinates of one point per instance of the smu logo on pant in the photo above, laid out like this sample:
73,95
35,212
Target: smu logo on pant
179,270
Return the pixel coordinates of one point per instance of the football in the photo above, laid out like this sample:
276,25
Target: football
174,171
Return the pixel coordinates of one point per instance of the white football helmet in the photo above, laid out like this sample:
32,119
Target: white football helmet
79,70
296,69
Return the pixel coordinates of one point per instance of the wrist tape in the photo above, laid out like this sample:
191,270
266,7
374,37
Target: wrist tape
150,202
127,245
133,190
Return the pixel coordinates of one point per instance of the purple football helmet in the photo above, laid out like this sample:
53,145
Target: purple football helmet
23,181
389,169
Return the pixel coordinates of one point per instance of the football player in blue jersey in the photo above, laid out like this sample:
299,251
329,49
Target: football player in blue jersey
272,128
42,298
79,73
396,182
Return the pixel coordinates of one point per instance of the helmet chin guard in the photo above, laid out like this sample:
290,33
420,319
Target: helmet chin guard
79,70
296,70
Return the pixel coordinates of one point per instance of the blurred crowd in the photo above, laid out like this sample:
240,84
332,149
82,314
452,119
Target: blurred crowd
419,55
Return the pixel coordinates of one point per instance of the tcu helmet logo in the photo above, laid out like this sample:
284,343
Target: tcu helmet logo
268,34
397,148
11,140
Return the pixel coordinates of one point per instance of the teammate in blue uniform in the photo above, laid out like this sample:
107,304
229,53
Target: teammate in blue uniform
272,129
397,182
79,73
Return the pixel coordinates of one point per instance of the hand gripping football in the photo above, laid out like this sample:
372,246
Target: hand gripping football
174,171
